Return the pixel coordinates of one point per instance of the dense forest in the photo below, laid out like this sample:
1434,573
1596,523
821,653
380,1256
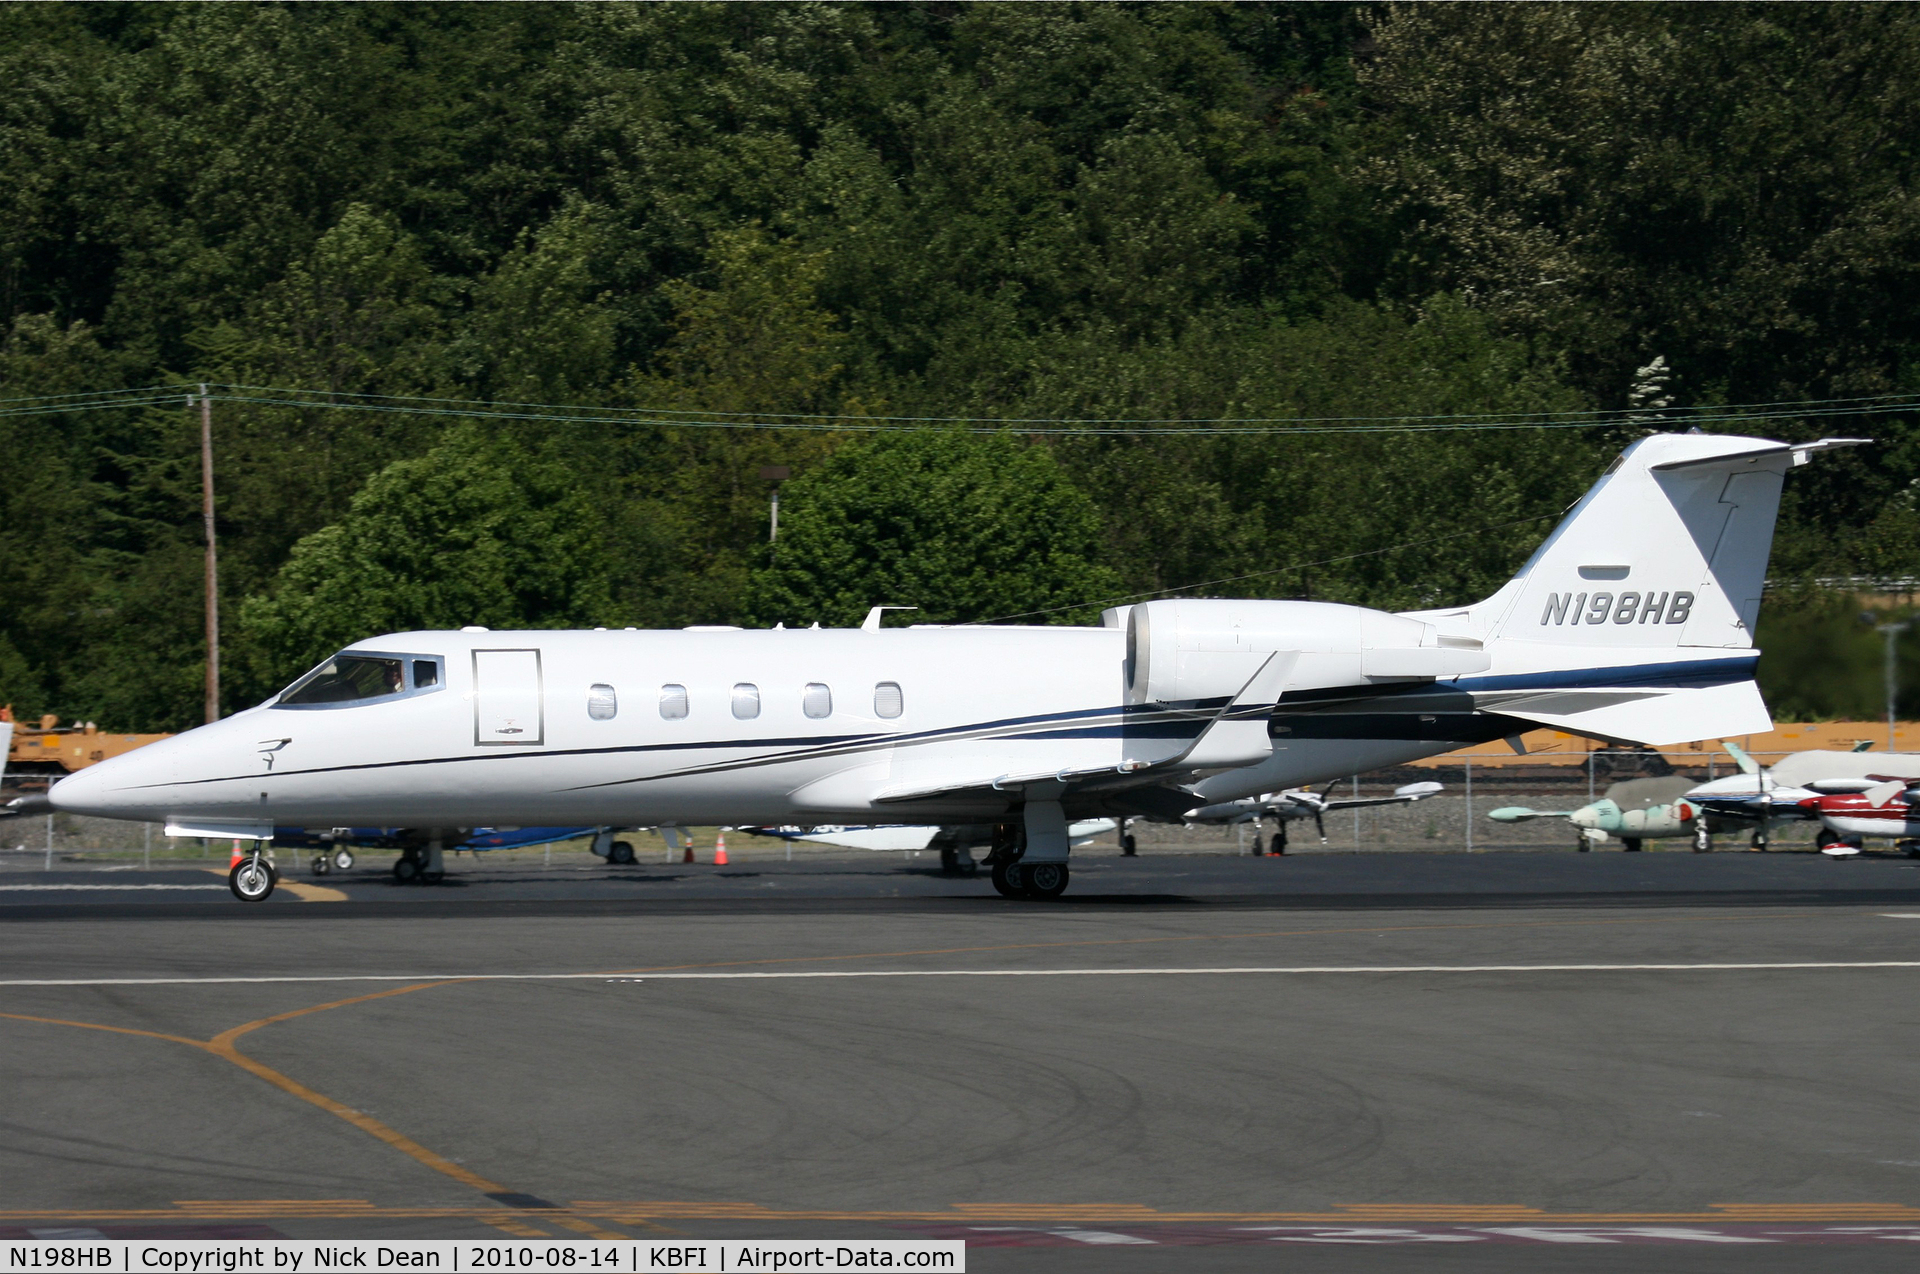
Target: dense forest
503,309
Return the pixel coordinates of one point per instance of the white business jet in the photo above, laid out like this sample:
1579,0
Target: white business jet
1632,622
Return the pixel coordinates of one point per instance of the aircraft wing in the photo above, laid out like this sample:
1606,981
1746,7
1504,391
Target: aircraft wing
1401,796
1007,784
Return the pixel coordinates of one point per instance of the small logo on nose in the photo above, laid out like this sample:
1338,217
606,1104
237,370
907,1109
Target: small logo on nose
268,747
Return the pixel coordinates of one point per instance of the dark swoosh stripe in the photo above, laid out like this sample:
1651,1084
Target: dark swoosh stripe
801,748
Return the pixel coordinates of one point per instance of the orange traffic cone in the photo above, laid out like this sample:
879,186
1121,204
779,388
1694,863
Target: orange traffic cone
237,856
687,855
720,851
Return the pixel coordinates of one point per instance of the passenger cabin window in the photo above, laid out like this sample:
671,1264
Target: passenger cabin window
673,702
746,701
887,700
602,703
357,677
817,701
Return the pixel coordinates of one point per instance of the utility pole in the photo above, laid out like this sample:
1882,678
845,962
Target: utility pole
213,565
776,474
1891,631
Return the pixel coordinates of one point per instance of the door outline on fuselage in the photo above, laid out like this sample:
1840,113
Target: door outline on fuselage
539,732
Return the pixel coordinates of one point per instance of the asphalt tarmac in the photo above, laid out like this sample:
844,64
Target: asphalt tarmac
1498,1062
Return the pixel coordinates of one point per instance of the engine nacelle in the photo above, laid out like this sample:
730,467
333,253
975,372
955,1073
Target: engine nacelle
1183,651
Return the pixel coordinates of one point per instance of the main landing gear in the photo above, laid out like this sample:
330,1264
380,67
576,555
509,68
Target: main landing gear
420,864
1041,881
1029,858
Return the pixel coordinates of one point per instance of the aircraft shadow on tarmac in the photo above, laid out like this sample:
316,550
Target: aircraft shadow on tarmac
966,903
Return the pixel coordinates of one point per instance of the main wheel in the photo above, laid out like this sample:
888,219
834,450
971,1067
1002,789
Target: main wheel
1009,881
621,854
1128,847
1259,850
320,865
1702,839
1630,844
1045,880
407,870
343,859
251,879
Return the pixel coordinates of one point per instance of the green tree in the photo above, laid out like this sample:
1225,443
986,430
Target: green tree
476,531
964,526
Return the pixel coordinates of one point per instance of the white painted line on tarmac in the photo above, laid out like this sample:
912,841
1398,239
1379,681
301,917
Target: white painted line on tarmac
793,975
64,889
1900,915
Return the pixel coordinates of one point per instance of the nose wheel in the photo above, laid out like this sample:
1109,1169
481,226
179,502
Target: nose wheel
252,879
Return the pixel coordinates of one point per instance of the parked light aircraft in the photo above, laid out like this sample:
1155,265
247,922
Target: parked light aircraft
1299,803
1635,810
333,848
1852,811
1763,796
1632,622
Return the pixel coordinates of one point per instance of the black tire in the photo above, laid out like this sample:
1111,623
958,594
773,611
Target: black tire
1702,839
1259,850
343,859
1279,845
1008,880
1128,848
406,871
320,865
621,854
252,879
1630,844
1045,881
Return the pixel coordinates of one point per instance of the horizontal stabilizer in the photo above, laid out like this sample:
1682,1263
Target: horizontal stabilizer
1655,717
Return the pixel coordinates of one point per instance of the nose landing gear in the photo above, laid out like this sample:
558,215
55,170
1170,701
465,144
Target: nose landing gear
253,877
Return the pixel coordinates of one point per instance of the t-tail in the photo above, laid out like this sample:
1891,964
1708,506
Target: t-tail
1634,620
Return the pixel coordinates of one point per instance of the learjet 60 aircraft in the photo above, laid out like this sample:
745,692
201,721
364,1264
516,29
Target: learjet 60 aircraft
1633,622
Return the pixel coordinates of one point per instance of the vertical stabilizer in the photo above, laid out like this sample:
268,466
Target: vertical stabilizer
1668,548
1634,620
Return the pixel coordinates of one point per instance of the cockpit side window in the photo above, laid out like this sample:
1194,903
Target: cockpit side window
355,677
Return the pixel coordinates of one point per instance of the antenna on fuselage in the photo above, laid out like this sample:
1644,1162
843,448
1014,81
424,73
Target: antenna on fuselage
872,622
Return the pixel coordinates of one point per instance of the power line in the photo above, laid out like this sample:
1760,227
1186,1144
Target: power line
1278,570
556,413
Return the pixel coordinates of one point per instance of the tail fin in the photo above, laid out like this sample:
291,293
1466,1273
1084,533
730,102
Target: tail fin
1634,620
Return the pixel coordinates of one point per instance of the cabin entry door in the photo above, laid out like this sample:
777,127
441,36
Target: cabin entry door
508,699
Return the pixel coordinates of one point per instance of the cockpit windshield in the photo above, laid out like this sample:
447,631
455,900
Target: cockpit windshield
353,677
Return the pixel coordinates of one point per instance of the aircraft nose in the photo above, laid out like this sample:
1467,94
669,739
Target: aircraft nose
81,793
121,787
